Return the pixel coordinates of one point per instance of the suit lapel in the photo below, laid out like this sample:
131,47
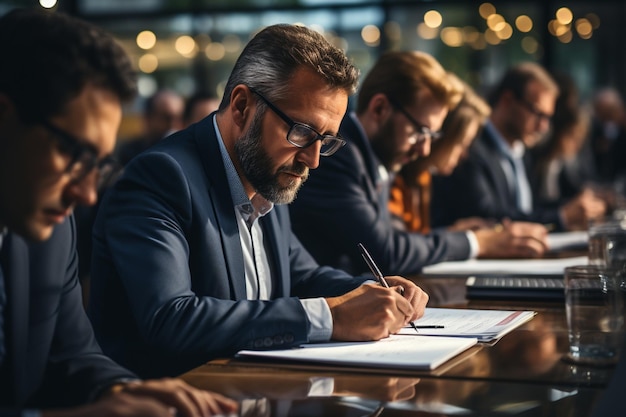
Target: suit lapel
493,156
207,142
351,130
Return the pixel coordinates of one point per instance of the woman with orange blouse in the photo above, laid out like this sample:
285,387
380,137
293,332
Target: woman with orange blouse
410,193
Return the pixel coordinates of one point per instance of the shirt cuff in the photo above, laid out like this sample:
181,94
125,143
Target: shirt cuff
473,244
318,313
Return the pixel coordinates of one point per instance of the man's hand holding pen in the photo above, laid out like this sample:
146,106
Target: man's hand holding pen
373,312
412,293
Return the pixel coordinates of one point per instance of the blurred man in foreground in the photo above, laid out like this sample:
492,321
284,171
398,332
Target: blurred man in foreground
57,131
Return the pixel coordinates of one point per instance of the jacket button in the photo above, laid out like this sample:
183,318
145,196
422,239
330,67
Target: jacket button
288,338
278,340
258,343
267,342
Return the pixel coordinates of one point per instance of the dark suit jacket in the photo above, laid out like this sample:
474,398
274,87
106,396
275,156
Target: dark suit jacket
479,187
341,205
53,356
168,285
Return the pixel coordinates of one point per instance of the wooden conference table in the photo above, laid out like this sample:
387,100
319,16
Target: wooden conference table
522,374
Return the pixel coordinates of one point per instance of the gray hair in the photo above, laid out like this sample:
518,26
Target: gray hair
270,59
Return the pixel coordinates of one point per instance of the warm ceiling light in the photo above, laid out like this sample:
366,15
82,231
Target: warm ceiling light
215,51
426,32
452,36
496,22
564,16
584,28
506,32
185,45
370,34
433,19
524,23
146,39
486,10
148,63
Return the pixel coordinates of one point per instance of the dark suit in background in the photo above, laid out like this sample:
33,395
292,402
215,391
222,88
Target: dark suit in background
54,359
479,187
168,284
345,201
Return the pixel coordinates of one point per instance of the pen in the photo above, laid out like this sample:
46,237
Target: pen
431,326
379,275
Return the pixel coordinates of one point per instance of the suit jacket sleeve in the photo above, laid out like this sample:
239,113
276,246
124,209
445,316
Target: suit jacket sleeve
60,335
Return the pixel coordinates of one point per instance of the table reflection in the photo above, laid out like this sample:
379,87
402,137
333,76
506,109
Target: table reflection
521,374
263,392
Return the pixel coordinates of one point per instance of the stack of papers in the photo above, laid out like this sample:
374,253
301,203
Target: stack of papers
484,325
462,329
418,352
504,266
568,240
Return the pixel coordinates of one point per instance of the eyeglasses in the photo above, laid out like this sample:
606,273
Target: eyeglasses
84,158
302,135
421,133
534,111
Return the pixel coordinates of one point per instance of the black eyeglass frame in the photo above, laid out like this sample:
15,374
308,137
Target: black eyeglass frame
84,154
333,142
531,108
421,132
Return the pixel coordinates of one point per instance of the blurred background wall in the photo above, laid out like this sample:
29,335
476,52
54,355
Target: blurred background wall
191,45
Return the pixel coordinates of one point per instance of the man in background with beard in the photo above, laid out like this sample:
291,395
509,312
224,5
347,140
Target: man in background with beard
401,106
194,257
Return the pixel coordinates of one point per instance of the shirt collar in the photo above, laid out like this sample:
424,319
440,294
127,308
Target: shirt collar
515,151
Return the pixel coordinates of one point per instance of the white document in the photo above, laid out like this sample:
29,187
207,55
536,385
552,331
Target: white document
419,352
485,325
568,240
504,266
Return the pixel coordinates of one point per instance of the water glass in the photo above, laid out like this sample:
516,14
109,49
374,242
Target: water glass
594,303
607,243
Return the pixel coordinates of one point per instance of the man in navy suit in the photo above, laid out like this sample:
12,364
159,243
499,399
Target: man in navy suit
194,257
492,182
62,84
401,106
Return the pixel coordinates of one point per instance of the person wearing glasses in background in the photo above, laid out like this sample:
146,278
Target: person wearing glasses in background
194,257
57,129
409,200
493,181
401,106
